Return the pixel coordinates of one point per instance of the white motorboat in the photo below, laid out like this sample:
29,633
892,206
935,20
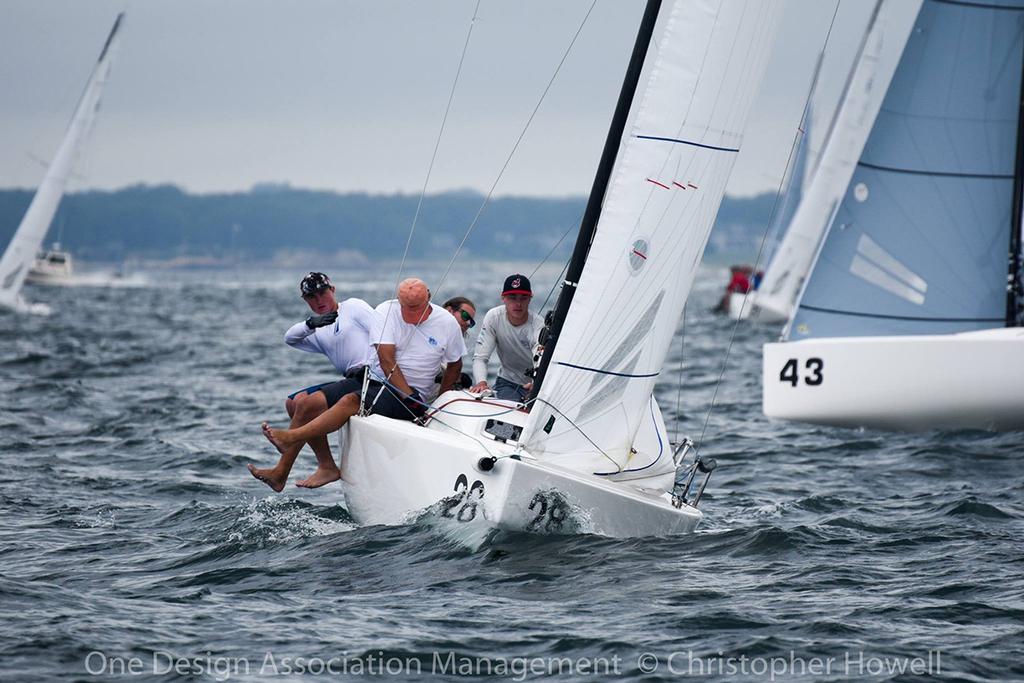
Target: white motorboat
592,452
52,266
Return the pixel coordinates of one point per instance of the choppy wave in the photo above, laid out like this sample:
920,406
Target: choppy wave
131,526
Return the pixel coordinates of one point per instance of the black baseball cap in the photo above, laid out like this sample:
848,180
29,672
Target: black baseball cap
314,283
516,284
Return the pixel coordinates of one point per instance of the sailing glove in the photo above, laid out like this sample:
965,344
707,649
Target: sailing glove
315,321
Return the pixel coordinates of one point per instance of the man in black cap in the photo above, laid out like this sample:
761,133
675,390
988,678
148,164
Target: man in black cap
512,330
342,333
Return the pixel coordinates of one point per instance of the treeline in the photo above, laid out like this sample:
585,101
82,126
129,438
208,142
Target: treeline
163,222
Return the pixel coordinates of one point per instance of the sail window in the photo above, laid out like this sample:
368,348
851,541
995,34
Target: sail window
875,265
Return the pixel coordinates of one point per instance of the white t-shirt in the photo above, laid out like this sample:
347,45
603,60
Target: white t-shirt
419,349
346,342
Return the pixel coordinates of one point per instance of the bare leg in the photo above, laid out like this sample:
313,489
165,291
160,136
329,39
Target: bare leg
326,469
330,421
303,408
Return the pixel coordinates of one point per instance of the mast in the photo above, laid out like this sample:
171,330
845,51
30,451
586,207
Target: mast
597,191
1014,288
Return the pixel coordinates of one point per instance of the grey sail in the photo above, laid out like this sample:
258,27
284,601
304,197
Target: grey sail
794,184
918,244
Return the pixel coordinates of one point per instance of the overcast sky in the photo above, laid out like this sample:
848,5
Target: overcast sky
216,95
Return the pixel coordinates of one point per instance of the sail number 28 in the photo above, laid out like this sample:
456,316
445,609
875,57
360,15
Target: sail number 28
813,377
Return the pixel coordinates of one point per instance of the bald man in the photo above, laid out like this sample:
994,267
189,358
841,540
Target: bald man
413,338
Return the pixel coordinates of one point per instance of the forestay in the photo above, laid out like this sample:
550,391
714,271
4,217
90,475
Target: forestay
879,54
21,252
919,242
662,198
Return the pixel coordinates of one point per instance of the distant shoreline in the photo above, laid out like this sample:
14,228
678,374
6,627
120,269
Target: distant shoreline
280,225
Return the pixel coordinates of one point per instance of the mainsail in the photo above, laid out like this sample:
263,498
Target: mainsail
661,200
919,241
21,252
879,54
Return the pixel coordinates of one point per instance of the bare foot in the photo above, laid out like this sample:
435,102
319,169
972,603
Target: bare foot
320,477
272,437
268,477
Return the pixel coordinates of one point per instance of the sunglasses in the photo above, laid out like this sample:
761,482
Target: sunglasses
467,317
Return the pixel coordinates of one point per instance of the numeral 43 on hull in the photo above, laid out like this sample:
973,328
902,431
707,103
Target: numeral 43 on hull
813,377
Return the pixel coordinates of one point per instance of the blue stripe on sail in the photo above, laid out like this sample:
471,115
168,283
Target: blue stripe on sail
606,372
686,142
978,5
819,309
944,174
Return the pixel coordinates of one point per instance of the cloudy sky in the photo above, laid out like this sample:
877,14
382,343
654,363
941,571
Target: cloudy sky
348,95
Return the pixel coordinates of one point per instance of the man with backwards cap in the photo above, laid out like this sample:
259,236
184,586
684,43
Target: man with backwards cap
512,330
342,333
412,338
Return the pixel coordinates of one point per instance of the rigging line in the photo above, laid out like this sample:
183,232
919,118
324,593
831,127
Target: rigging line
552,251
515,147
437,145
426,181
578,429
760,249
468,436
679,385
558,280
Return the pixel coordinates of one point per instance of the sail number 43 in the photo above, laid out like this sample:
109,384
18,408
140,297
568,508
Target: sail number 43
813,376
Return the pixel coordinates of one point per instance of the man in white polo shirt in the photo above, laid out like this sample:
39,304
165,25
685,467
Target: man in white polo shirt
413,338
512,330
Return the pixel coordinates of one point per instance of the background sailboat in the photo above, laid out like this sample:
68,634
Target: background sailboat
917,250
20,255
879,54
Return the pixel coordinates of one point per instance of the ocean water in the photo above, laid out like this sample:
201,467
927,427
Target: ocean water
136,546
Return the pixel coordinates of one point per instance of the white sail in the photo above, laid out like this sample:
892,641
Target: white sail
661,201
883,45
900,324
919,241
21,252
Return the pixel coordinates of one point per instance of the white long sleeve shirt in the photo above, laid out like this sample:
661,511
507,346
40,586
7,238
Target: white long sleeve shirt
514,345
345,342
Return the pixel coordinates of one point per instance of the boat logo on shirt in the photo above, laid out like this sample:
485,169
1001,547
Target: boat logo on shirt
431,341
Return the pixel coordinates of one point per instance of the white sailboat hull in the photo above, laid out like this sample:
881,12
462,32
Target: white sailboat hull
394,471
752,307
973,380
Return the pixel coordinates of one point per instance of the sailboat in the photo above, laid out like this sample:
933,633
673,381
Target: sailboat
20,255
877,57
910,318
740,304
592,453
